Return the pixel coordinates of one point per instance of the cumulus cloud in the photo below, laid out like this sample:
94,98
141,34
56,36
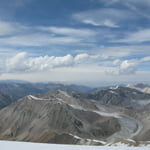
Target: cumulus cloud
86,58
21,62
17,63
128,63
81,58
127,67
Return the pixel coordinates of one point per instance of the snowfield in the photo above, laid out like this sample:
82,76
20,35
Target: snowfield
7,145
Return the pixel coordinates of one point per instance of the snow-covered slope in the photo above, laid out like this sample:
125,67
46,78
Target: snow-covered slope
5,145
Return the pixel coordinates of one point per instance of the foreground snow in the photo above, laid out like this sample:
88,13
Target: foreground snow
5,145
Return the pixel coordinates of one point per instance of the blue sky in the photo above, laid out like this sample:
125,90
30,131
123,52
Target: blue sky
90,42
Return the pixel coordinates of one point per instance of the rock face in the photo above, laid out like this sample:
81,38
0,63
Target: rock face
52,120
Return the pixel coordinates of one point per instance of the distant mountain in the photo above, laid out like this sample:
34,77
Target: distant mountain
80,88
13,81
12,90
141,87
119,96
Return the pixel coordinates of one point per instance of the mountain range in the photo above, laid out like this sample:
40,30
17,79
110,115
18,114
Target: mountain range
11,91
72,114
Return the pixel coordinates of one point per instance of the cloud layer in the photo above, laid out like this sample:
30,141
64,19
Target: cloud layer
107,36
23,63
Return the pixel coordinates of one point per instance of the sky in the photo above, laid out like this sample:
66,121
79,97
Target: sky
89,42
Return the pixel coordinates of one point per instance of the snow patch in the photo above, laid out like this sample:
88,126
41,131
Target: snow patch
130,140
89,140
114,88
76,137
115,115
5,145
64,93
31,97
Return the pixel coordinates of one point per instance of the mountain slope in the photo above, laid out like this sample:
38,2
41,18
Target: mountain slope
65,116
38,119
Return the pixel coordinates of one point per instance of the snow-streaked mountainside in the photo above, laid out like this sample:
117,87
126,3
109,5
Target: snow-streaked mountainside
5,145
111,116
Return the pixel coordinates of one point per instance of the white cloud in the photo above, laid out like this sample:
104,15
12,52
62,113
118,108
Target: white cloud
12,28
70,31
127,67
15,34
7,52
21,62
109,17
121,51
147,58
128,63
136,37
116,62
107,23
37,40
17,63
136,6
116,51
109,52
81,58
7,28
86,58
